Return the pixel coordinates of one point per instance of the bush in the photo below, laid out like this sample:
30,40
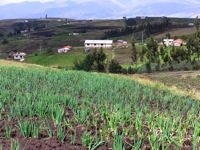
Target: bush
148,67
195,67
171,68
114,67
186,68
92,62
130,70
124,71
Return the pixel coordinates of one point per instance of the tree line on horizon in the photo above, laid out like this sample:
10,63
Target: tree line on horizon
147,27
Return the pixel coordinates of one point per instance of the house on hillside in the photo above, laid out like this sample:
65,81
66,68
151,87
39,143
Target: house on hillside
191,24
168,42
121,42
19,56
172,42
179,42
98,43
65,49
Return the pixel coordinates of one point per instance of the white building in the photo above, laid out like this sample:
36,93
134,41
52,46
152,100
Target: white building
172,42
98,43
64,49
168,42
121,42
19,56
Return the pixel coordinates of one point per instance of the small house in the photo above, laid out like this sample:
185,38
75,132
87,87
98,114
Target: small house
121,42
19,56
191,24
65,49
168,42
98,43
178,42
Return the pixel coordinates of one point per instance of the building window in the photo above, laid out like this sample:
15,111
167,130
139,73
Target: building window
95,44
88,44
101,44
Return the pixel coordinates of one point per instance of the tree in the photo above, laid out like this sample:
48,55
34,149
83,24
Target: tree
130,22
114,67
152,54
152,46
134,52
196,23
93,61
101,56
193,46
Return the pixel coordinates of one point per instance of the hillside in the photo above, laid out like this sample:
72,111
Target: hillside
17,64
59,109
40,38
32,35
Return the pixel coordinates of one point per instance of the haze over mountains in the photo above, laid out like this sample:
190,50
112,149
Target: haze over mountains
96,9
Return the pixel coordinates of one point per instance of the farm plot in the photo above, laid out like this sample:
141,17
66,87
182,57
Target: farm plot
55,109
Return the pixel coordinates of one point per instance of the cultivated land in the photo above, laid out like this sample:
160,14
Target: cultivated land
49,35
47,108
55,109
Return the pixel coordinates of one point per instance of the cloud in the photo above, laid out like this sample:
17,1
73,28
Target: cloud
100,9
5,2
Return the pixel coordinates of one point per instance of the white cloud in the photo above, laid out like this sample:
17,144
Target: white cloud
121,3
127,8
4,2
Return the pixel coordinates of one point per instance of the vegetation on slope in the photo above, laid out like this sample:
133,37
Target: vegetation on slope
111,111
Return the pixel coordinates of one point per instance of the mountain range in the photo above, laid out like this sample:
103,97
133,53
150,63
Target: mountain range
96,9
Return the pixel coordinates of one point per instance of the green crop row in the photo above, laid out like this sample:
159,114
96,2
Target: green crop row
121,110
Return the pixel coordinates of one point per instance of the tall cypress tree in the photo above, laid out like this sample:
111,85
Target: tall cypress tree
134,52
197,23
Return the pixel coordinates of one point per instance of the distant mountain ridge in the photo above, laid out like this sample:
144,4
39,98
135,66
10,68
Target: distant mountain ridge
95,9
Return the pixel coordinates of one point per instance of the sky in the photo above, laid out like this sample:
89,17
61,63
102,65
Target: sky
4,2
112,8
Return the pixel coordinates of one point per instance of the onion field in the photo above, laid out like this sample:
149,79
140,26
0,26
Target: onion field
55,109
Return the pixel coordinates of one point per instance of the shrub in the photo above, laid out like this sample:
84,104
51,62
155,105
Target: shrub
114,67
124,71
195,66
94,61
130,70
186,68
148,67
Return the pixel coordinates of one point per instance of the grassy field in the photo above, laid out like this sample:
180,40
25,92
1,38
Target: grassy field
17,64
187,82
177,32
55,60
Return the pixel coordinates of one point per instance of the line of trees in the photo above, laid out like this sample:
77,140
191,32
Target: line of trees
148,28
153,54
92,62
96,61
